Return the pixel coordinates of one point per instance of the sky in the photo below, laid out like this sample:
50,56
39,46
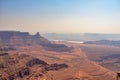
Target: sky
60,16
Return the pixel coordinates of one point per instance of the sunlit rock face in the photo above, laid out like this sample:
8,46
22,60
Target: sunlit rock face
15,67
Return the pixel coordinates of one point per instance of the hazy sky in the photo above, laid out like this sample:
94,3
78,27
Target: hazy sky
60,16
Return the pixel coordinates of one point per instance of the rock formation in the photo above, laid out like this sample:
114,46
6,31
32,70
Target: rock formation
24,67
21,38
16,38
104,42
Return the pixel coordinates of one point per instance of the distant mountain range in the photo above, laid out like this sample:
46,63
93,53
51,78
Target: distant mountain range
82,37
104,42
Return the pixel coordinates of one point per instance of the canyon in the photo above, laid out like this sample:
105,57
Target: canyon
33,57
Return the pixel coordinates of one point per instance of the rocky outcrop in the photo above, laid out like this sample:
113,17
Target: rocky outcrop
55,67
20,38
34,62
57,47
8,48
16,38
25,67
24,72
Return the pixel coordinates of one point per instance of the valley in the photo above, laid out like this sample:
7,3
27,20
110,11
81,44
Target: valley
45,60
